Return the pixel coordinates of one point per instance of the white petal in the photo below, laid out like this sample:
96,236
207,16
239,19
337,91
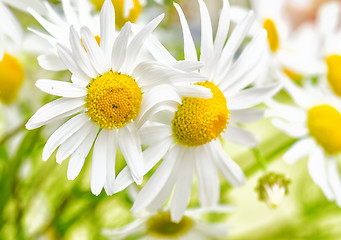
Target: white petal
51,62
56,31
298,150
62,89
240,136
66,56
234,42
167,188
137,42
187,66
54,110
151,135
130,145
157,181
111,160
99,162
293,130
69,13
162,94
94,52
78,81
253,96
80,54
231,171
159,52
189,47
287,112
223,28
335,180
63,133
151,156
77,158
246,115
208,180
183,186
190,90
135,227
235,78
317,168
120,47
206,33
9,24
107,26
73,142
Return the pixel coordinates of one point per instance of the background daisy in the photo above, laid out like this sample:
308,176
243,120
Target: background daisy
315,123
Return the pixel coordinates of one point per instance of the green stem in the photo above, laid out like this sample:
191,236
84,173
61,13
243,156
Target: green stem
260,159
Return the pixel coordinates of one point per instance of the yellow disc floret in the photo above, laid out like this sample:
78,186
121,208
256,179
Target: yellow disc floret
120,18
324,124
198,121
11,78
334,73
273,38
113,100
161,226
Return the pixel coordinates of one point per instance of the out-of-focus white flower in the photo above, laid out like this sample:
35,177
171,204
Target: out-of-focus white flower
113,94
188,137
316,123
286,54
11,38
158,226
271,188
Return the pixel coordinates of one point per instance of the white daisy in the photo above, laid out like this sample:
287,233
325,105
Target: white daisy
315,122
158,226
188,138
285,52
114,95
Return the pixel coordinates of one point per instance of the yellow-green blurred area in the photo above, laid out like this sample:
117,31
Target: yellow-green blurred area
38,202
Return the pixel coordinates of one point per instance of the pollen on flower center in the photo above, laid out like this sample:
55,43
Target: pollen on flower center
334,73
198,121
273,38
161,226
11,78
324,124
113,100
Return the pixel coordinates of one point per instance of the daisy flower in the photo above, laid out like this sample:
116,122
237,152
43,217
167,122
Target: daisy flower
188,138
158,226
285,52
11,36
112,94
315,122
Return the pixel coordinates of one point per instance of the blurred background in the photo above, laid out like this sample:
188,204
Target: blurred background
38,202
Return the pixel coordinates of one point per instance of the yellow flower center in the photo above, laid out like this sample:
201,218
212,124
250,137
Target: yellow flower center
273,38
11,78
334,73
198,121
324,124
161,226
113,100
120,18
